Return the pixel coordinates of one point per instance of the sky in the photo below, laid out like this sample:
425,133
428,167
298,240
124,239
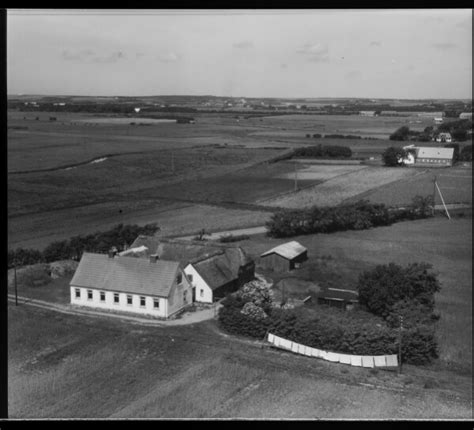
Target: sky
385,53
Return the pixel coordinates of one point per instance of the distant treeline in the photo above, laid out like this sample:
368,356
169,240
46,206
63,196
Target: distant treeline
120,237
355,216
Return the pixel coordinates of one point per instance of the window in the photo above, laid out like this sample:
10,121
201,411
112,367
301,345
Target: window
190,277
116,298
89,294
156,303
201,292
78,293
102,296
179,278
129,300
142,301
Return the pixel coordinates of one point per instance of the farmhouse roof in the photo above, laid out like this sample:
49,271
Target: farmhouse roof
185,251
287,250
440,153
125,274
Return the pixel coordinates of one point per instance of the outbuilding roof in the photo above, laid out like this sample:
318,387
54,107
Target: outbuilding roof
287,250
125,274
339,295
220,267
440,153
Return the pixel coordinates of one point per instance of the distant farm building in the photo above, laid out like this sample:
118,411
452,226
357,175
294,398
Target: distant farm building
444,137
435,157
285,257
367,113
465,115
430,114
142,286
343,299
214,270
137,109
438,120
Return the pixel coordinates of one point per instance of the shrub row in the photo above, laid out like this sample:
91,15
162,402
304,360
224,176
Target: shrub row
333,330
356,216
323,151
233,238
120,236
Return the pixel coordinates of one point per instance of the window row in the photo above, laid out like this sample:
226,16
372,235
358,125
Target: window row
156,302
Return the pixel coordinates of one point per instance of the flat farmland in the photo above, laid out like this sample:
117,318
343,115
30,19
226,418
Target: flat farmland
378,127
455,184
335,189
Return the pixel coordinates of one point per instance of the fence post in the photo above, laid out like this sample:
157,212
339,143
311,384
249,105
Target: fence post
400,346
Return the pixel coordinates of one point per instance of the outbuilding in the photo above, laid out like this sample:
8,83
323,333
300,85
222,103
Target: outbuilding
285,257
142,286
340,298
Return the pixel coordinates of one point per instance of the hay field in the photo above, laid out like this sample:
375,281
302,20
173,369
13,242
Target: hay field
336,189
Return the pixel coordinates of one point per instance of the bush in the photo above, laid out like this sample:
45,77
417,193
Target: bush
332,151
379,289
233,238
401,134
466,153
24,257
394,156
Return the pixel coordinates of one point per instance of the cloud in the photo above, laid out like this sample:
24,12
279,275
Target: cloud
168,57
467,24
410,67
284,66
353,74
90,56
375,43
444,46
316,52
245,44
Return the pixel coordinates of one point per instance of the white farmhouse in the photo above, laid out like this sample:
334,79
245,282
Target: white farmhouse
142,286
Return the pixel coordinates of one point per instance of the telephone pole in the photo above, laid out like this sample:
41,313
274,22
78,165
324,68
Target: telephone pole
16,289
400,346
296,178
434,194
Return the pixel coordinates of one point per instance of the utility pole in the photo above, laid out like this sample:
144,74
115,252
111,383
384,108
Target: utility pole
16,289
434,194
296,178
400,346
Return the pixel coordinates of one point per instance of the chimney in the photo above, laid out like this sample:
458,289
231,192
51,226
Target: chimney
112,252
154,258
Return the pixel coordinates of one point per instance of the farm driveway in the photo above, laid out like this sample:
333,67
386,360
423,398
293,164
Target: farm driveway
185,319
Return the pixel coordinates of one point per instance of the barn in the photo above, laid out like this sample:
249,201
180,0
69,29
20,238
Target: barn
285,257
142,286
336,297
434,157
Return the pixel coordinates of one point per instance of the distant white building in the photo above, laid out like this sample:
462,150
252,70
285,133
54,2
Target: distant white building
435,157
367,113
444,137
465,115
438,120
137,109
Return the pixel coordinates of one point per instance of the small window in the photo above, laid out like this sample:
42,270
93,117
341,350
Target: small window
156,303
129,300
102,296
78,293
89,294
190,277
179,278
142,301
116,298
201,293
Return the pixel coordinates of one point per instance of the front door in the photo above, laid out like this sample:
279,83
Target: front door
194,294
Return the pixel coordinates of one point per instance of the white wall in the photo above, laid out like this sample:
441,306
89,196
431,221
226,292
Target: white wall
122,306
200,285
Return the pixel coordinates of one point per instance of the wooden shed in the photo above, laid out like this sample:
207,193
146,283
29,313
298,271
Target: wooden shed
285,257
339,298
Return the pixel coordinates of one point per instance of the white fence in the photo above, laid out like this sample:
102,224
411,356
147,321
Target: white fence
353,360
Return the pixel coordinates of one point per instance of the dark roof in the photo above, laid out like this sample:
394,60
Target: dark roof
184,251
338,294
125,274
221,266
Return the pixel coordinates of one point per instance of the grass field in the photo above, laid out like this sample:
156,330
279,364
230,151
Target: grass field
352,181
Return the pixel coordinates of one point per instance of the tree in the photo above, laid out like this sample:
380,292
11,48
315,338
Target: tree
380,288
400,134
394,156
466,153
459,134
